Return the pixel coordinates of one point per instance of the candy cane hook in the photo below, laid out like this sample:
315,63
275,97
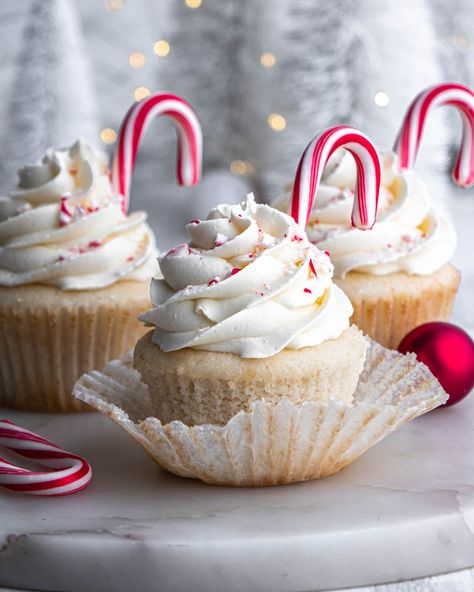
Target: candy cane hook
410,134
189,159
67,473
312,164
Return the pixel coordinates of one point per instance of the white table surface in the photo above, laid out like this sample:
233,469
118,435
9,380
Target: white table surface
404,510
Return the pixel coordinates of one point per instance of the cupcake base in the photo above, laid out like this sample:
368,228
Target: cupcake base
199,387
387,307
270,444
48,338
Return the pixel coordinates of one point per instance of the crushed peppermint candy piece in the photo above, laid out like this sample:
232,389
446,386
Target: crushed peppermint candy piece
308,291
72,209
213,281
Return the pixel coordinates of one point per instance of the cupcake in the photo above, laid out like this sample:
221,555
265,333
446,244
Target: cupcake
247,311
74,271
397,275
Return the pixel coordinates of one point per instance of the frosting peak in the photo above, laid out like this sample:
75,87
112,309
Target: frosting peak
250,283
63,227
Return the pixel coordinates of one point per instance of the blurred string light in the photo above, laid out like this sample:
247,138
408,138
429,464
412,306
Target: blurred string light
193,3
108,135
241,167
462,41
277,122
114,5
268,59
381,98
161,48
136,59
141,92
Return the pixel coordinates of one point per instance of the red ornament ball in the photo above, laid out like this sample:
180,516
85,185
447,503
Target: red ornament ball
448,351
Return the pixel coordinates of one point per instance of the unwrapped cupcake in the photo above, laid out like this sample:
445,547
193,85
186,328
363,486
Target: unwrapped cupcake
74,271
252,375
246,311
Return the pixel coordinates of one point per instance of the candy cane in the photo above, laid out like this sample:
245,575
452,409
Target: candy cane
312,164
410,134
68,472
133,128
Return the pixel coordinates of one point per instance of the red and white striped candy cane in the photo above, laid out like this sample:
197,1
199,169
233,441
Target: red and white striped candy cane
68,472
312,164
133,127
410,134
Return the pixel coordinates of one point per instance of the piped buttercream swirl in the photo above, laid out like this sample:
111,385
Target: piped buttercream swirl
409,236
62,226
248,283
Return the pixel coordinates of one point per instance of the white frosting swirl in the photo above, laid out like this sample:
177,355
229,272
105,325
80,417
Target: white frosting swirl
409,235
91,247
249,283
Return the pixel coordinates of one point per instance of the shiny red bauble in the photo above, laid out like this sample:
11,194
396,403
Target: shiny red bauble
448,351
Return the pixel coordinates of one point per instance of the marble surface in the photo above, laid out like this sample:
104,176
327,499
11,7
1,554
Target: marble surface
404,510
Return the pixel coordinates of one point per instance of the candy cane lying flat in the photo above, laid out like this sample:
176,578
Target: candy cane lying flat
133,127
312,164
67,473
410,134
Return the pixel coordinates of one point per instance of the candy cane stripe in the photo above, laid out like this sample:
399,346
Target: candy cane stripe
409,137
134,126
313,161
68,472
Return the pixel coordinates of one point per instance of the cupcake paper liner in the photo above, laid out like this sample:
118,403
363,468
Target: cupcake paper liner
388,315
44,350
270,444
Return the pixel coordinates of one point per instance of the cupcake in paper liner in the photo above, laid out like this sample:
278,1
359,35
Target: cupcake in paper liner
398,275
252,374
272,443
74,275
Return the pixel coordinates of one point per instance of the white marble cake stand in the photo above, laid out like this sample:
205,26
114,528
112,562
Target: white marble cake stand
405,510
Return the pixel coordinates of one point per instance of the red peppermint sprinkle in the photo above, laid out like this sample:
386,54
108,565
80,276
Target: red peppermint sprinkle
313,268
327,253
407,238
235,270
308,291
130,258
218,243
297,239
212,282
95,244
195,222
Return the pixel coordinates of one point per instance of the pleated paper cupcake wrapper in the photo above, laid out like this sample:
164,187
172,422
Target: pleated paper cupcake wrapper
270,444
43,352
388,319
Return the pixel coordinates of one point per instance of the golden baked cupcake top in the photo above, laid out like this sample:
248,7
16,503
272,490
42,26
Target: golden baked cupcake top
248,283
409,236
62,226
